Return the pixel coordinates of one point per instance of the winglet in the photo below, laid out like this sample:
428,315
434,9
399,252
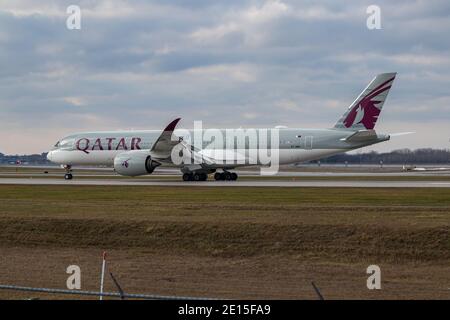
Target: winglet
164,143
171,126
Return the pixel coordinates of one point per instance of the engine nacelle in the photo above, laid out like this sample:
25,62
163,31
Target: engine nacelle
134,163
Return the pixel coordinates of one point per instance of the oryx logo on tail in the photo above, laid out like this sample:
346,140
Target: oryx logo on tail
364,111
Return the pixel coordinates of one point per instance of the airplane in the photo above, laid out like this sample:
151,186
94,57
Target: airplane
135,153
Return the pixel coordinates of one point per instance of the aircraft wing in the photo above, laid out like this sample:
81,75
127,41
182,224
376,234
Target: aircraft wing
195,159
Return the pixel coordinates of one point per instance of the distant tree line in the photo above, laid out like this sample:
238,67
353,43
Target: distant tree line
24,159
403,156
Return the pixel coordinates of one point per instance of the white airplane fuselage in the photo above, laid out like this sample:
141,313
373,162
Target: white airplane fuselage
294,145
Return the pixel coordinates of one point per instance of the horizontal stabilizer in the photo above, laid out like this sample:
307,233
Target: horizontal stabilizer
361,135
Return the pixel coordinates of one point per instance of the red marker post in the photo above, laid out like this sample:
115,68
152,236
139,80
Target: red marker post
102,279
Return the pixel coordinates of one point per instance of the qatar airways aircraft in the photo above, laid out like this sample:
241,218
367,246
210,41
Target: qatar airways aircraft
134,153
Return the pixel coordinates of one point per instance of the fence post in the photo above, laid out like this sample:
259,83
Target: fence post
102,279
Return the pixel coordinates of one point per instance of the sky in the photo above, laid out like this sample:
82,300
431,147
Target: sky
229,63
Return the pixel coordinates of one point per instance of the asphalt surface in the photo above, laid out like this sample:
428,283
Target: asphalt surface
242,183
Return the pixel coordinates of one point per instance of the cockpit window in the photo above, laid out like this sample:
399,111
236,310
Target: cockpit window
66,144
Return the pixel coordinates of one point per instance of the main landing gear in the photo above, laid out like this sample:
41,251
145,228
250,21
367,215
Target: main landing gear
218,176
229,176
68,175
195,176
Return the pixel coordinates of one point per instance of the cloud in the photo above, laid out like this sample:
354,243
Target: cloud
237,72
251,63
75,101
243,21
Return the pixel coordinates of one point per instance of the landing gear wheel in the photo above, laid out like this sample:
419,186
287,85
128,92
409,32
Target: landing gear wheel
229,176
68,169
68,176
197,176
203,177
187,177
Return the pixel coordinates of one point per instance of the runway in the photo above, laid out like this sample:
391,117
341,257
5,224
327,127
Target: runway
239,183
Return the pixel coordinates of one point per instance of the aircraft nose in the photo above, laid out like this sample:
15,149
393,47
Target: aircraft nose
49,156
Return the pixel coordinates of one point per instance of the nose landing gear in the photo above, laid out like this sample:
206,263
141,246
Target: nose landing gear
68,175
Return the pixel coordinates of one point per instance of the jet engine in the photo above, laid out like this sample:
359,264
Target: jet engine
134,163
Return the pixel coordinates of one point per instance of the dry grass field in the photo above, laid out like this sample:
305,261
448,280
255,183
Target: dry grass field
229,242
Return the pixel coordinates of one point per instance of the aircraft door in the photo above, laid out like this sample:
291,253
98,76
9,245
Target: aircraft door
308,142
